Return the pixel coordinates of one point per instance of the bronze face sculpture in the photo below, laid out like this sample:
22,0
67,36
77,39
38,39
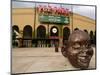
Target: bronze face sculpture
78,49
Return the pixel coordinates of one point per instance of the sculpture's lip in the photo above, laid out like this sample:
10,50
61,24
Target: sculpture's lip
83,59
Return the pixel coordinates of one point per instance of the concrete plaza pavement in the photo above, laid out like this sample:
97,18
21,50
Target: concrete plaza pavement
26,60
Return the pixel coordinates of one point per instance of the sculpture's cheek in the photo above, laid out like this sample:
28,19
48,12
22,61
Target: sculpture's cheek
72,51
78,58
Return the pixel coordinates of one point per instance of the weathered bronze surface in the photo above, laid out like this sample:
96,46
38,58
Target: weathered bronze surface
78,49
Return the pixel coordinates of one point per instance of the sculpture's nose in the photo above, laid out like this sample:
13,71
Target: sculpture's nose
86,52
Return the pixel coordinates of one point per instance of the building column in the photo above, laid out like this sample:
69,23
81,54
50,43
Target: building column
60,36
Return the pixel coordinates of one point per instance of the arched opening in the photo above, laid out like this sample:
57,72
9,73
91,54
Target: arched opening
66,33
41,35
91,37
76,29
27,36
15,31
95,38
54,32
15,27
54,36
27,32
85,30
41,32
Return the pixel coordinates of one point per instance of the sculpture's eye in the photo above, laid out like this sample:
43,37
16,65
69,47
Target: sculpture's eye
76,46
87,45
90,52
84,44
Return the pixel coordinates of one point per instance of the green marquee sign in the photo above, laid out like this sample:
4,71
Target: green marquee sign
54,19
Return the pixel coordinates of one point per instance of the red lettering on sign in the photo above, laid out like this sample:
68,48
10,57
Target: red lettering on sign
53,10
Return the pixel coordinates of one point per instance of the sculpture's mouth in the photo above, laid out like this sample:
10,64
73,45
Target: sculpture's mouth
83,61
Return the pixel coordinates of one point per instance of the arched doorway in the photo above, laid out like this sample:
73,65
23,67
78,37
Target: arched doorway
15,32
41,35
41,32
15,27
95,37
54,36
66,33
91,37
27,32
76,29
54,31
85,30
27,36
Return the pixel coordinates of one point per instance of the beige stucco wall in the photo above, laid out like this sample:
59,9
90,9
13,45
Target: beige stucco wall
22,17
83,22
26,16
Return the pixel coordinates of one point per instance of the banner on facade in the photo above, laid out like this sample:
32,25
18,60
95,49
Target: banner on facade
54,19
